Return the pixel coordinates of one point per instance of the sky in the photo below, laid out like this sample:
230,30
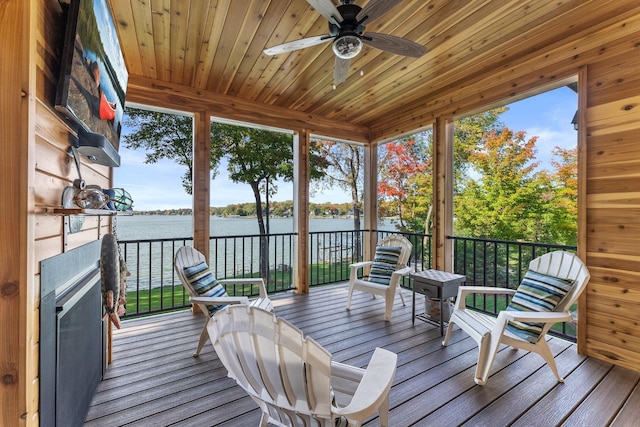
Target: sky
158,186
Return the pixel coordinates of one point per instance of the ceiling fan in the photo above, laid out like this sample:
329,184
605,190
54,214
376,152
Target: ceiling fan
347,30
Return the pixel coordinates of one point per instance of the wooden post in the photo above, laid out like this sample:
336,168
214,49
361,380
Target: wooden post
301,144
201,182
443,194
18,285
370,204
582,203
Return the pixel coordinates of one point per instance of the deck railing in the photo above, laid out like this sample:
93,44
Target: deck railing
153,286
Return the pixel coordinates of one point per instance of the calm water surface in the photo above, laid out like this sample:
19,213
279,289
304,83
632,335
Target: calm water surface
151,264
175,226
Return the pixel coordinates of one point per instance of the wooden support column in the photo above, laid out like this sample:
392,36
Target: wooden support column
18,284
582,202
370,204
301,144
442,194
201,182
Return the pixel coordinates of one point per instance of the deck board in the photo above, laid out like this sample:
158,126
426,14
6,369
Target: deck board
155,380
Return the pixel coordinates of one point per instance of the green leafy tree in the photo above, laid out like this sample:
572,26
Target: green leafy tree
164,136
406,186
468,135
561,225
505,199
254,156
345,169
258,158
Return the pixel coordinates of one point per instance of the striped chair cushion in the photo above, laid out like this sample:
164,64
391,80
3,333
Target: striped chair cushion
385,262
205,284
537,292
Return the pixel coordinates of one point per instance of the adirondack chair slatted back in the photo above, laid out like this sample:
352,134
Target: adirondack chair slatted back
275,364
564,265
398,241
187,257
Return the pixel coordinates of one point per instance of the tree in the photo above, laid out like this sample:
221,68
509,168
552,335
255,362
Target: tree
164,136
562,205
504,201
344,168
406,173
468,133
344,165
405,180
254,156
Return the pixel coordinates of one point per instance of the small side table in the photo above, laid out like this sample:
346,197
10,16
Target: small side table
435,284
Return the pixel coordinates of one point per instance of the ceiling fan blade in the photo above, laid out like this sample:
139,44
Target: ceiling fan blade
340,70
376,8
297,44
327,9
394,44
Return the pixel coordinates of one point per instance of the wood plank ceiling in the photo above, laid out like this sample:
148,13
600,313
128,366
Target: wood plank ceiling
217,45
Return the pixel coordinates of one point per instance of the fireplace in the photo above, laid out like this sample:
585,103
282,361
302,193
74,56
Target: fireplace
72,335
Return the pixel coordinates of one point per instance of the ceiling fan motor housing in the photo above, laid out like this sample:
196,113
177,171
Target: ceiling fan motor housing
349,22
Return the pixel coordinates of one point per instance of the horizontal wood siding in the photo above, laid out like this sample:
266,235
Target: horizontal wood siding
40,160
17,302
613,208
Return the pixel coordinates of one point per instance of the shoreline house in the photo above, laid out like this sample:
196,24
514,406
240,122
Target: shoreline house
205,58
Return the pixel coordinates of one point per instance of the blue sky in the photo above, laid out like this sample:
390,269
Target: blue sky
158,186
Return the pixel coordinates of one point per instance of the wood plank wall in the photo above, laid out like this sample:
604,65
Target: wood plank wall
612,206
16,282
38,160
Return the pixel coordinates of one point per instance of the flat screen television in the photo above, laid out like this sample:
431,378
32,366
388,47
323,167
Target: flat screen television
93,80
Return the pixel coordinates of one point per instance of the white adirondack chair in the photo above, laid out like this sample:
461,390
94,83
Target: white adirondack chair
383,284
187,256
292,378
489,331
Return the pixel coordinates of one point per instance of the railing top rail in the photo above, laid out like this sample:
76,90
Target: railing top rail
188,239
513,242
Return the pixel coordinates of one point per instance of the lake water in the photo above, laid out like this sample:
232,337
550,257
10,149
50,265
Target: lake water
138,227
151,264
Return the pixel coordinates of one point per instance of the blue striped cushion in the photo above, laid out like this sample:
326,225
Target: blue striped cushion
537,292
385,262
205,284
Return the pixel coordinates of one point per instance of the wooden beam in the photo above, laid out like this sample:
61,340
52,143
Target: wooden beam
201,182
301,144
582,201
174,96
18,307
370,200
442,194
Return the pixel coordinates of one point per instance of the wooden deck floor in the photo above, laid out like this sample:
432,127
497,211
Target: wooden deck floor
155,381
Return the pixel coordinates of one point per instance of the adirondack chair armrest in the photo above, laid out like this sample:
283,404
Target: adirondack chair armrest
220,300
248,281
358,265
353,275
374,386
527,316
537,316
403,271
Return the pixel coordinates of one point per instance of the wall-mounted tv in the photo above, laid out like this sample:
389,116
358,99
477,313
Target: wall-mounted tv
93,80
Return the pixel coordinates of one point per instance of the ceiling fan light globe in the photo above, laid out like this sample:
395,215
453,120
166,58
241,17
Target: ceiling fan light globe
347,46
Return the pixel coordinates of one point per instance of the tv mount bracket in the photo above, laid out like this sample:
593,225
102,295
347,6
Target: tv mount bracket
79,183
